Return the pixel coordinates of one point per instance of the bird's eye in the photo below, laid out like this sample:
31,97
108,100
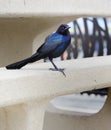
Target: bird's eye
63,28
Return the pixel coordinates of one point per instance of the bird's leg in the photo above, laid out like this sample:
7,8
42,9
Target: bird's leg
54,65
57,69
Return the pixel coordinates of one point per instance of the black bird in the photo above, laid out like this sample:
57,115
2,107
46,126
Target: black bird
53,47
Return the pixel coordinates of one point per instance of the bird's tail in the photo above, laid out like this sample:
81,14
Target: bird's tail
22,63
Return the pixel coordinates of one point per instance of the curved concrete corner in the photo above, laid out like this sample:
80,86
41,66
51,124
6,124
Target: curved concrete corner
98,121
29,90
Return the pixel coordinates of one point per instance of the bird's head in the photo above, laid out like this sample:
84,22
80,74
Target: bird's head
63,29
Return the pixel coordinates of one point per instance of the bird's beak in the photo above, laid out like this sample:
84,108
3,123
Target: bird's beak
67,28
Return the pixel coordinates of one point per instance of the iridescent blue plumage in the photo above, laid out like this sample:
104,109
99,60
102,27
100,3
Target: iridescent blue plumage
64,43
53,47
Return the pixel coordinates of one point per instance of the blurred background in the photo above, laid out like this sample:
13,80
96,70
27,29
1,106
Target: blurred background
90,37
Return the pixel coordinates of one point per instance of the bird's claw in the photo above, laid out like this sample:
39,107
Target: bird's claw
60,70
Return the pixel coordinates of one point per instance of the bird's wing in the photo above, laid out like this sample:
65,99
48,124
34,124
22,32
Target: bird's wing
50,44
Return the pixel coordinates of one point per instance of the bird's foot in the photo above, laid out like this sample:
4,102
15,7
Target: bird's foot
60,70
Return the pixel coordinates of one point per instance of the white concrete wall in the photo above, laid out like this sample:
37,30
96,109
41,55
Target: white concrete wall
47,8
98,121
17,36
23,21
23,95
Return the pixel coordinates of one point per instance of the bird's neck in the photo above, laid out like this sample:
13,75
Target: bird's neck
64,33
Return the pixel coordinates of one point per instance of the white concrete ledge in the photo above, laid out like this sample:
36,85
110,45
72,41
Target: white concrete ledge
35,81
29,90
25,93
37,8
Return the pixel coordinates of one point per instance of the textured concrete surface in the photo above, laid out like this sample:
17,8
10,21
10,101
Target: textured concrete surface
77,121
24,24
24,94
81,75
29,90
30,8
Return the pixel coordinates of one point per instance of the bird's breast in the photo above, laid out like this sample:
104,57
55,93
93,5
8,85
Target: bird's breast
61,48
